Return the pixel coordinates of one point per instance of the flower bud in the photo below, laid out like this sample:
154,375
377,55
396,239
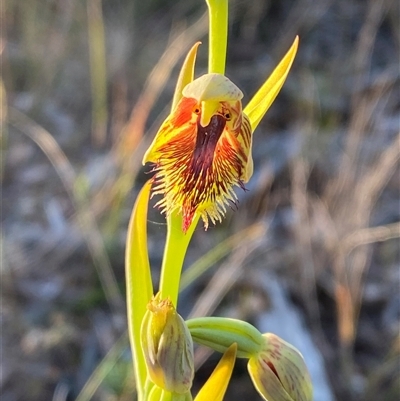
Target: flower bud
279,372
167,347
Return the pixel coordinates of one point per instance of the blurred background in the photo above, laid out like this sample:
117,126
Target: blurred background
311,253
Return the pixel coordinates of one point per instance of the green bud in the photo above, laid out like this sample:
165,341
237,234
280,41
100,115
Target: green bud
279,372
167,347
220,333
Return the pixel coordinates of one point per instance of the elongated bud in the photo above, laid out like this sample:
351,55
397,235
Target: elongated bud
279,372
220,333
277,369
167,347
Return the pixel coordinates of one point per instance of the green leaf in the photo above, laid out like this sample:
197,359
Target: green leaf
139,288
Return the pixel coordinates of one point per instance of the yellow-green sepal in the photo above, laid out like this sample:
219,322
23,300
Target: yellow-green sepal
264,97
186,74
215,387
139,287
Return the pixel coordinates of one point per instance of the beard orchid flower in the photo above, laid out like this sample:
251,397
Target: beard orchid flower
203,148
201,152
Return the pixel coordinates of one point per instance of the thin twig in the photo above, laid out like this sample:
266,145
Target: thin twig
371,235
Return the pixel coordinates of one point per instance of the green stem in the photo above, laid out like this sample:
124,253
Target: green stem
174,255
218,35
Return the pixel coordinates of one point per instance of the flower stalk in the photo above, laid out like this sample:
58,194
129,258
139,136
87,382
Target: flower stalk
174,254
218,35
177,241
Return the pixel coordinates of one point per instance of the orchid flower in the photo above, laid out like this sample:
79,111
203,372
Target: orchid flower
203,148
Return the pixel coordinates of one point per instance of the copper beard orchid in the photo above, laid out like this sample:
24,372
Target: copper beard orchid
202,151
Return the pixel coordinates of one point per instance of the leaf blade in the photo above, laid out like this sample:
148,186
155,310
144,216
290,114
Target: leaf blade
139,288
